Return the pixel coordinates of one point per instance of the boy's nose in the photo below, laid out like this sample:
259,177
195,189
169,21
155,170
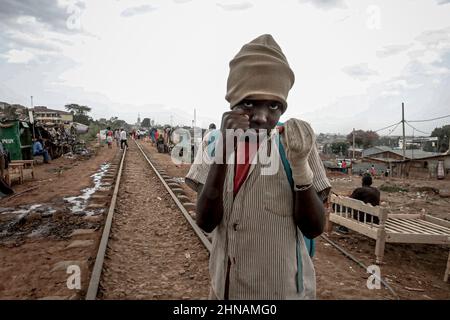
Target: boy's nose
259,117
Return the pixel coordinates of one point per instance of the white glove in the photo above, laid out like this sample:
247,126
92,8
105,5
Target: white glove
299,139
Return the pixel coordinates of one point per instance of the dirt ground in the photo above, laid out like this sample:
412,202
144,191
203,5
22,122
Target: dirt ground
38,243
152,252
40,236
412,271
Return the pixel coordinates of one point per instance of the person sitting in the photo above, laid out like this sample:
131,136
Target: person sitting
38,150
367,194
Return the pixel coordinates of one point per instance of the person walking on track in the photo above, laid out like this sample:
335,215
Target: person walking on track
123,138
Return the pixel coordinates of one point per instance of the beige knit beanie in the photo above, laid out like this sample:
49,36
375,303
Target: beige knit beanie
259,69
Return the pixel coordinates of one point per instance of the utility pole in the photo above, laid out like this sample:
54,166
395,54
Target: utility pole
353,143
30,115
403,125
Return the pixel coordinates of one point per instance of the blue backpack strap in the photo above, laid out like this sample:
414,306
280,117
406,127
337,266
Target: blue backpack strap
310,243
211,146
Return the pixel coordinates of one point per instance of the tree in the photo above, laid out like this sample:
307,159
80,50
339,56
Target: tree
327,149
77,109
10,112
340,148
80,113
145,123
120,124
443,134
82,118
365,139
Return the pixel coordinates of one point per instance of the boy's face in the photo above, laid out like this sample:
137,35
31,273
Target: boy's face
262,114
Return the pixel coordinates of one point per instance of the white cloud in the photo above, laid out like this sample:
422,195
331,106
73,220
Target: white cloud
326,4
390,93
360,71
391,50
234,6
133,11
18,56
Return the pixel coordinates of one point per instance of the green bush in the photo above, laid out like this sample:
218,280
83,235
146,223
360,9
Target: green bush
386,187
91,135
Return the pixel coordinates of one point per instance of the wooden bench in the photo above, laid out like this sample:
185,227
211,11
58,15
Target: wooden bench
393,228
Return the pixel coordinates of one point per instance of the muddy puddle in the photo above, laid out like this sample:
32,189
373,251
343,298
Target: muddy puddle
57,218
79,203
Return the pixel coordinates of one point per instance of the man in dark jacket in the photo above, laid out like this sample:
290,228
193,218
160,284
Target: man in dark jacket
366,193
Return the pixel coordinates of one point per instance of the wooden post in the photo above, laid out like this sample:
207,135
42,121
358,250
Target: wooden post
381,237
447,270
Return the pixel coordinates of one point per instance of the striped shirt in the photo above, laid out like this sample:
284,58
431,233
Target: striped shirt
257,240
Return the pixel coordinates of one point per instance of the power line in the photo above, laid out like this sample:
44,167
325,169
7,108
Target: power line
427,133
430,119
388,126
391,131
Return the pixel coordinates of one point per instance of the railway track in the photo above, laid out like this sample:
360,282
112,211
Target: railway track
147,251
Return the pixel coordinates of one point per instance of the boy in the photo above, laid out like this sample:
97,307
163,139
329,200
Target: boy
258,220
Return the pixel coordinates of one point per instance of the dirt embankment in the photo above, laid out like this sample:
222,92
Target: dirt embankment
42,233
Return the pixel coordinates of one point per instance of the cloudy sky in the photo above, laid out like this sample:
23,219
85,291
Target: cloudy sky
355,61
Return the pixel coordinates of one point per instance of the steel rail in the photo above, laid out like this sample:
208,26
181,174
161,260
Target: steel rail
200,233
98,266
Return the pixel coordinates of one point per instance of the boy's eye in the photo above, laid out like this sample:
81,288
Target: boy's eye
274,106
248,104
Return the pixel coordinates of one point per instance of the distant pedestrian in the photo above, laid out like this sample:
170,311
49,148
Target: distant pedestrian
109,137
123,138
153,136
373,171
344,166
